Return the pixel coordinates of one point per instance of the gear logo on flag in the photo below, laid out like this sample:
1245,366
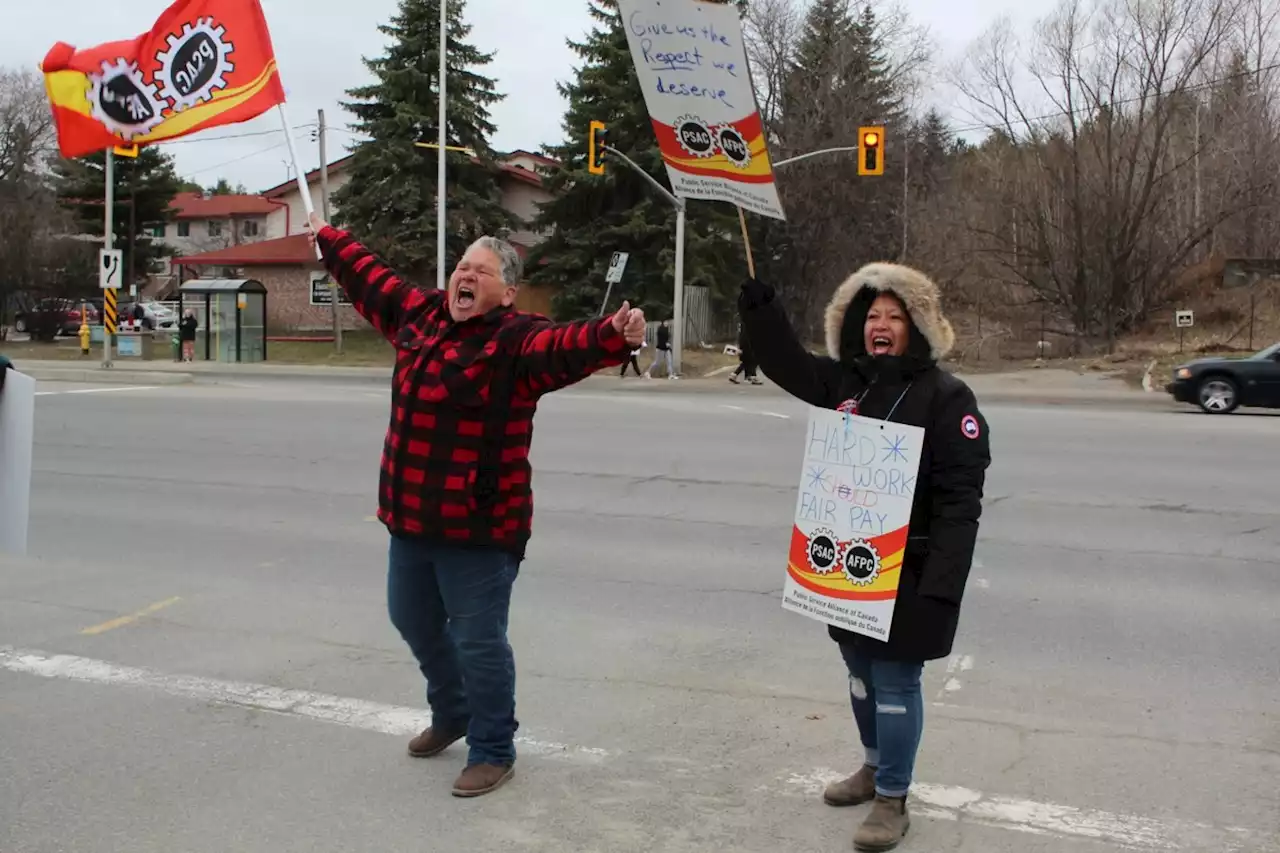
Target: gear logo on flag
196,65
125,103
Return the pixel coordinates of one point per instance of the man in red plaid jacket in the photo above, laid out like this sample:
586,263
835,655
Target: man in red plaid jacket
455,490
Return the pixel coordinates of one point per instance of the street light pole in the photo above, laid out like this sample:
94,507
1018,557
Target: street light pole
443,141
677,319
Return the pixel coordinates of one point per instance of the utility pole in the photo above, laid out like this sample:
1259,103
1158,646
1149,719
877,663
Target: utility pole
109,243
324,208
442,141
133,230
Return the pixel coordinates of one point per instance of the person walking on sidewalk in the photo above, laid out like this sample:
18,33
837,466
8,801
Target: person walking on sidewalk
633,361
455,489
663,352
746,359
885,334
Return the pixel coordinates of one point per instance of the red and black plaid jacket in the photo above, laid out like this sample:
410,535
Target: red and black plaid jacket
455,464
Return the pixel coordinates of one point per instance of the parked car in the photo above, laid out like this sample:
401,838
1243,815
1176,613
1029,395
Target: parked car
53,316
1221,385
158,316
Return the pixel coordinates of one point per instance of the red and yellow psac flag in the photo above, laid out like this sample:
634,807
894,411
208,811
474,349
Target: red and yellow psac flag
205,63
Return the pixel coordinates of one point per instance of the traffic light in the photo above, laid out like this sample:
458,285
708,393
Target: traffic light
871,151
595,148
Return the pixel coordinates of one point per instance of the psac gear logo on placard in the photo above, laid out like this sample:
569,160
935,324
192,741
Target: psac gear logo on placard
193,68
823,552
700,139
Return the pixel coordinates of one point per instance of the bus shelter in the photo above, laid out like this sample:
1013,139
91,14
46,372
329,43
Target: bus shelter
232,317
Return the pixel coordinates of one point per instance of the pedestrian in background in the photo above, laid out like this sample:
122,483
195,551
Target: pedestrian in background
634,360
455,490
187,334
885,333
663,352
746,359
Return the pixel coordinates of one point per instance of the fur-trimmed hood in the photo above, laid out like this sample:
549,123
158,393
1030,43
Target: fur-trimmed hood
918,293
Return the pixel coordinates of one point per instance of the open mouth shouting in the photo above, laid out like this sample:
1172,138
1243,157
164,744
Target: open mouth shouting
464,298
881,345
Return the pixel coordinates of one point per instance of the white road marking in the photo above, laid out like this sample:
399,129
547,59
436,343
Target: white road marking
752,412
939,802
343,711
955,665
982,583
943,802
98,390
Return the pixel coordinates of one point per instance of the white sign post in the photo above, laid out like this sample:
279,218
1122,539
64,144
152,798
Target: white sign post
857,483
1183,320
17,433
109,263
617,264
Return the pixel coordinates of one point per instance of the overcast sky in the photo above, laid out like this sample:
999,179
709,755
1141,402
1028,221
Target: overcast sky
320,43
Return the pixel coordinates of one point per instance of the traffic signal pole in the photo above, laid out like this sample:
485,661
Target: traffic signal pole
800,157
677,334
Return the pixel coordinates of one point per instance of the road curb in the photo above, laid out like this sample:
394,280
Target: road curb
111,376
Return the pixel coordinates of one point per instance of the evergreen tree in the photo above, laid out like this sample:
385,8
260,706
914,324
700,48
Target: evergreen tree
593,216
144,187
390,199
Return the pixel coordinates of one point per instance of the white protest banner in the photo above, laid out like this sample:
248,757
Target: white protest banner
17,433
692,65
857,483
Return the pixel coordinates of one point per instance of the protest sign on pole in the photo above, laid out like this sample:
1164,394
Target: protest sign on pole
691,61
857,483
17,434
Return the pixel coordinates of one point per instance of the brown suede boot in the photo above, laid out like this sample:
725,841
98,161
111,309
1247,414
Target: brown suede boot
433,741
885,826
857,789
480,779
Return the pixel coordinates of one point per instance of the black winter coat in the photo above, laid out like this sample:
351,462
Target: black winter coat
956,453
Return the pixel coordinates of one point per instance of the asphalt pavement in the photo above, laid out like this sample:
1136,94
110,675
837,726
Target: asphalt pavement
198,658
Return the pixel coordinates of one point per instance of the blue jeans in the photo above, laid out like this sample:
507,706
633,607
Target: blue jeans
889,710
450,605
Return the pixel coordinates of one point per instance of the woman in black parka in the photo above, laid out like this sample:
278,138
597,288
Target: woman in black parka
885,333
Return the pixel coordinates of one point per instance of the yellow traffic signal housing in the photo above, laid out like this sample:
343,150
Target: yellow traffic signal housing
595,148
871,151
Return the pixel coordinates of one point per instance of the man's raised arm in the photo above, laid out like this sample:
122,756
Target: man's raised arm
381,296
555,355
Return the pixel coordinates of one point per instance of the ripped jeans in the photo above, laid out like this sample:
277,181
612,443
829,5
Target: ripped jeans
889,710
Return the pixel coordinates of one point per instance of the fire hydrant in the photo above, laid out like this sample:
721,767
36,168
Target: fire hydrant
84,337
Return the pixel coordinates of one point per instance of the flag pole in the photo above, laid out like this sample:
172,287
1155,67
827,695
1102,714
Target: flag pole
443,142
299,175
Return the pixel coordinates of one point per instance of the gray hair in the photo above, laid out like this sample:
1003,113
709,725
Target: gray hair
510,267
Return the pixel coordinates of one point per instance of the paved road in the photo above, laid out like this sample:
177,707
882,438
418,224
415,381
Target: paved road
201,660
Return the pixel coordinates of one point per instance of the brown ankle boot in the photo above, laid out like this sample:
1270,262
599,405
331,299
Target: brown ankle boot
433,741
479,779
857,789
885,826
